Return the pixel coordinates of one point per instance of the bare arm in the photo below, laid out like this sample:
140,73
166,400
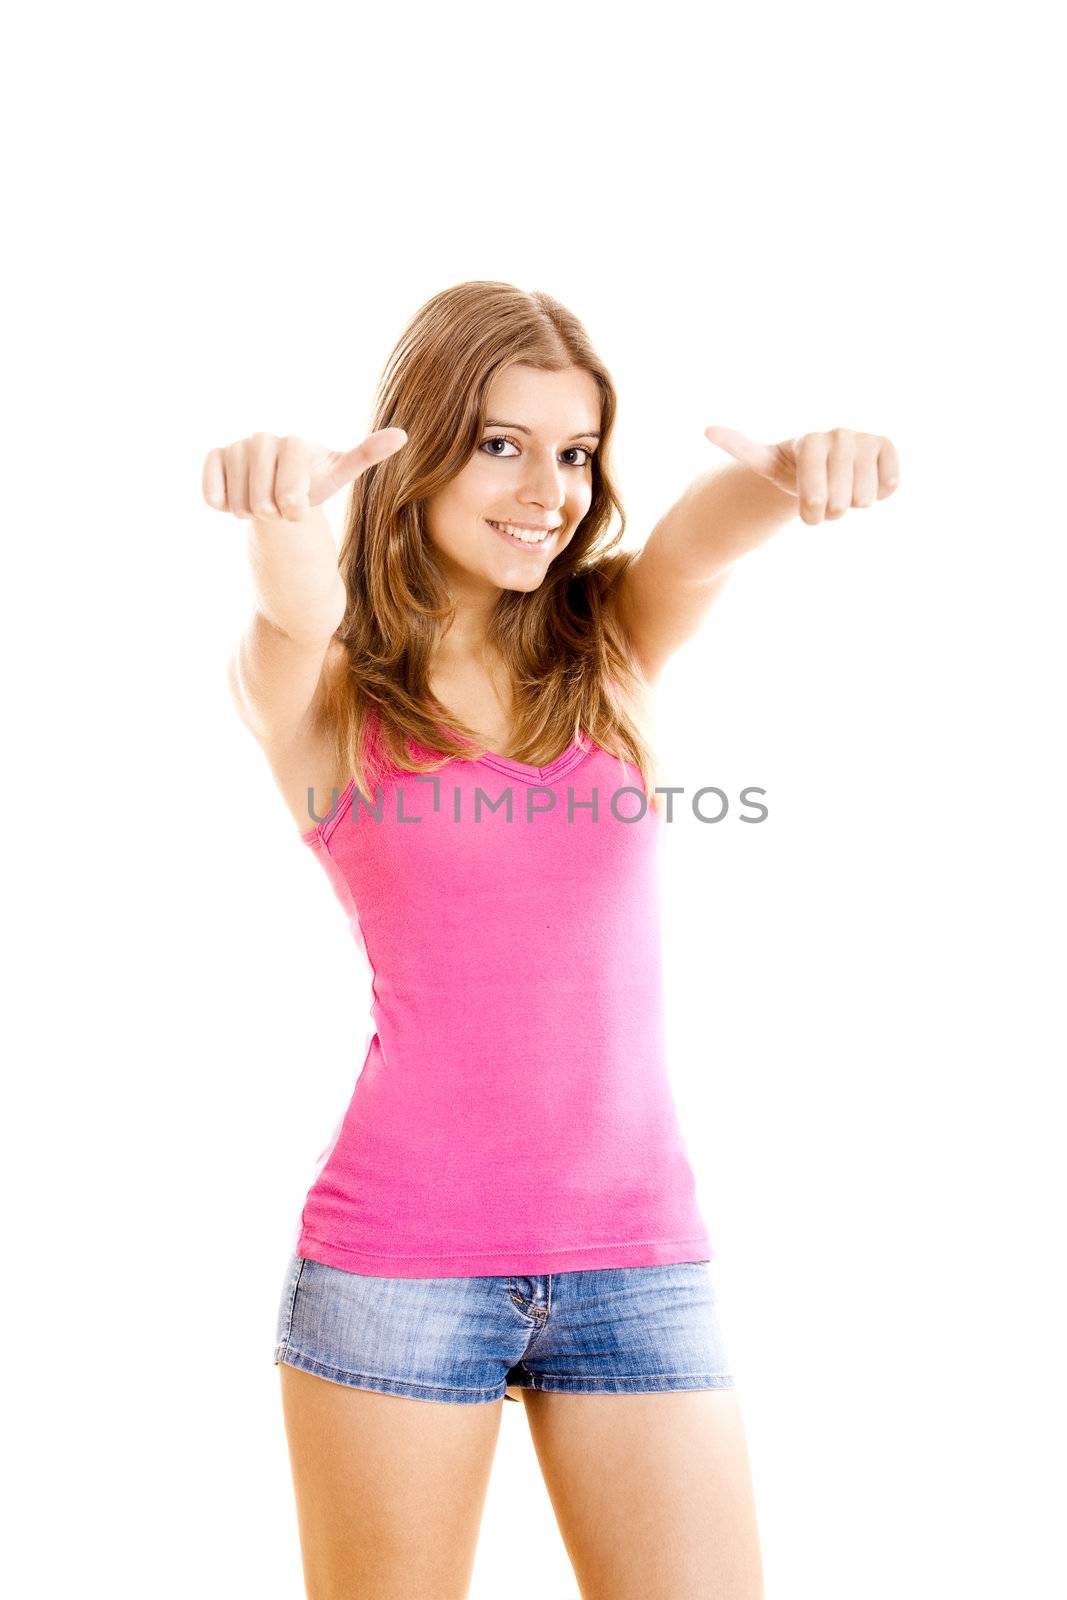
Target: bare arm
673,581
294,575
682,568
278,485
300,601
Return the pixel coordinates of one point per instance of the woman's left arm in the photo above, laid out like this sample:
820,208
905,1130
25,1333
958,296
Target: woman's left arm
675,578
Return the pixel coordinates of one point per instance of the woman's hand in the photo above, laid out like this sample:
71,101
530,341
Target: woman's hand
826,472
281,479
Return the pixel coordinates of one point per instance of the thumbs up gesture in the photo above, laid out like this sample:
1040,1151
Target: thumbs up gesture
280,479
827,472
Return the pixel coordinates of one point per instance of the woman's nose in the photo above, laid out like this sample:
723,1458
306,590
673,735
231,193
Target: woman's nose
543,483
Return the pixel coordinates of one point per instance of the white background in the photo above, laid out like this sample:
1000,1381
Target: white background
782,219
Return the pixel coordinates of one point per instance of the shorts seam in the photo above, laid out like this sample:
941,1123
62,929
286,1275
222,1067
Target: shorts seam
630,1383
297,1358
283,1343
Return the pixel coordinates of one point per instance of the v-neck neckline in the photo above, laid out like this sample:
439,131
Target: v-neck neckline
521,770
528,774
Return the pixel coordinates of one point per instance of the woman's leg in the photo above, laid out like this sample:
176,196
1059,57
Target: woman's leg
389,1490
652,1492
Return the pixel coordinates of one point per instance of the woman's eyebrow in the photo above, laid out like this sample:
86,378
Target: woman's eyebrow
586,433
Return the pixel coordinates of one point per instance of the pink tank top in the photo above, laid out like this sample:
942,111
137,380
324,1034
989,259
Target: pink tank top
513,1112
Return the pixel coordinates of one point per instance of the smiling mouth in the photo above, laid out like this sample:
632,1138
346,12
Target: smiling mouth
528,540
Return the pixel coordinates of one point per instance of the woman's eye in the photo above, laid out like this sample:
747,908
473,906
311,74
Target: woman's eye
571,450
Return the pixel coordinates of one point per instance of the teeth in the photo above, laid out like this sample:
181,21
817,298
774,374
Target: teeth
526,537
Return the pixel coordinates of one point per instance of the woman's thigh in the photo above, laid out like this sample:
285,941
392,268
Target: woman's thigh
633,1412
652,1492
389,1490
392,1391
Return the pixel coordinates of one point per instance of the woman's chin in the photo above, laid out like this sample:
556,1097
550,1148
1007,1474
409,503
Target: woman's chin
523,582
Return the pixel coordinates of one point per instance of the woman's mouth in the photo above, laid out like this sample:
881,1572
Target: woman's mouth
527,539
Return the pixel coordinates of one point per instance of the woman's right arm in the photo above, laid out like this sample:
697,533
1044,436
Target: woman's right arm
300,600
278,486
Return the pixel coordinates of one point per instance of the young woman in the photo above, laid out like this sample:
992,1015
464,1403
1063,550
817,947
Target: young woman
507,1203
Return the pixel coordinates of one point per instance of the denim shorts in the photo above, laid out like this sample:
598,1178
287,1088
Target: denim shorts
609,1330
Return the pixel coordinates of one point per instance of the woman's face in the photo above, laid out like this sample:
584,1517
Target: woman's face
532,467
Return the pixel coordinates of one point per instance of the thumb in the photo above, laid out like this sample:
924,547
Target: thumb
760,457
376,447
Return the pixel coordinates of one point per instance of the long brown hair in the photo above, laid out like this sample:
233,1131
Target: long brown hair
568,658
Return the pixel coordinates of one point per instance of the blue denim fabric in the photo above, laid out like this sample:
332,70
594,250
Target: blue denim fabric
612,1330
